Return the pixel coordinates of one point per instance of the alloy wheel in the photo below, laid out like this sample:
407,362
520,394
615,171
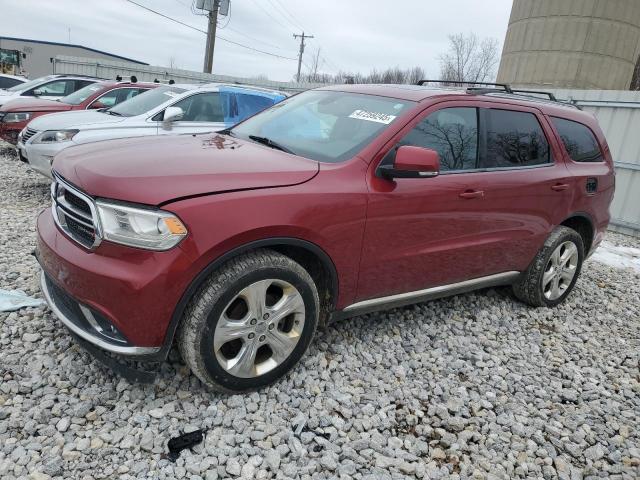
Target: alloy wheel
259,328
560,270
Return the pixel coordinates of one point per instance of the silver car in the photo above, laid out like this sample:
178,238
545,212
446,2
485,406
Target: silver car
167,110
50,87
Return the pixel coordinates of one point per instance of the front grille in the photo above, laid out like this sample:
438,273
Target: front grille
77,203
75,213
28,133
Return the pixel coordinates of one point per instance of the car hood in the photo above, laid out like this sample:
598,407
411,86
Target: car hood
6,96
156,170
20,104
79,119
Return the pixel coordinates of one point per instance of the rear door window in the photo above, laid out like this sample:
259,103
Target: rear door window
513,139
578,140
240,104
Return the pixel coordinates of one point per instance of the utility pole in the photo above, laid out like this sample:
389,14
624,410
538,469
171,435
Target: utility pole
211,37
301,37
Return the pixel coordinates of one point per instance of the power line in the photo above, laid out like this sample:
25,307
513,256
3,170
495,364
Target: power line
269,14
254,38
283,14
204,31
167,17
287,12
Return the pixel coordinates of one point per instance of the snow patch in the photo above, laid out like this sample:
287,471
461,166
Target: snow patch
618,257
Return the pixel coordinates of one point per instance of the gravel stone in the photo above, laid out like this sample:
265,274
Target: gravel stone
477,386
233,467
63,425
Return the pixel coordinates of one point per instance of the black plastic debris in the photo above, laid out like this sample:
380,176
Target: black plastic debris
183,442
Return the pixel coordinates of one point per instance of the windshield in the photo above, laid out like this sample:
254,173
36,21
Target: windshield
326,126
30,84
146,101
79,96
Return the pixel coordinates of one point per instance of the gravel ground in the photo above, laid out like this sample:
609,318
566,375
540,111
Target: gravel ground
475,386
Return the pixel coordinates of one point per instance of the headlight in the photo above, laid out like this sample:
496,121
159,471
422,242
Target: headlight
140,227
16,117
55,136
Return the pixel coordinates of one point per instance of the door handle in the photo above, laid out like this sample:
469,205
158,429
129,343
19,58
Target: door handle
558,187
470,194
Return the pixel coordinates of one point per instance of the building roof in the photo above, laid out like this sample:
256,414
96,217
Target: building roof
73,46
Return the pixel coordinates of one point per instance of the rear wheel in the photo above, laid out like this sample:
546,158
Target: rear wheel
250,323
554,271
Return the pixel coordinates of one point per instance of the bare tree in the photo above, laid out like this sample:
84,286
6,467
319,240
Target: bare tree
390,75
414,75
314,75
315,66
469,59
635,81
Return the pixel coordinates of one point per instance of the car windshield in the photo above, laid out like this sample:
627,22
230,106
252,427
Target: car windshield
79,96
146,101
30,84
326,126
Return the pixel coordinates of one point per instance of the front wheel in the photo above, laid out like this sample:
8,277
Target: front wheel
250,323
554,270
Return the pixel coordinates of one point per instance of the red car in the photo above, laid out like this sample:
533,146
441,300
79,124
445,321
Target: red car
336,202
15,114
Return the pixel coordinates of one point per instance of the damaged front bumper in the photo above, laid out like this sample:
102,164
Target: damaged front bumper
90,334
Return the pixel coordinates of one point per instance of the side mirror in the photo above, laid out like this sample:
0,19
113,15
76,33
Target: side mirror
37,92
172,114
412,162
96,105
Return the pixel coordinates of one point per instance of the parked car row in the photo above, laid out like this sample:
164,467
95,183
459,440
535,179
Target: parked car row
335,202
93,110
16,114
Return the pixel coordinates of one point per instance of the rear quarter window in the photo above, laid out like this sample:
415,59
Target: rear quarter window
578,140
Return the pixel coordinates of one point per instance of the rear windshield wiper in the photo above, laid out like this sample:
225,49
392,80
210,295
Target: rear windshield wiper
270,143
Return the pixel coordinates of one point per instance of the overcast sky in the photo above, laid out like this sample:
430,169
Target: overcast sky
354,35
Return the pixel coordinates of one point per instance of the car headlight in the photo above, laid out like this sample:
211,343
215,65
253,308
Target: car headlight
16,117
55,136
140,227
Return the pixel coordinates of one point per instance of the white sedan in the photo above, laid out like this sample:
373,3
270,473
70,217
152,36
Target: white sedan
50,87
167,110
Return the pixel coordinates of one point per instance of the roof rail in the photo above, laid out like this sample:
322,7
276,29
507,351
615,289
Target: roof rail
551,96
502,86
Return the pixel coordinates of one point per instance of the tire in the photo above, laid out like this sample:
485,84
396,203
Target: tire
222,338
534,286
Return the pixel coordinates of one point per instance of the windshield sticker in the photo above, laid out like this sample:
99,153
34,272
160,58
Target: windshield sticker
373,116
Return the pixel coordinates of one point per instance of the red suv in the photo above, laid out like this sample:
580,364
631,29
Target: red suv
336,202
15,114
